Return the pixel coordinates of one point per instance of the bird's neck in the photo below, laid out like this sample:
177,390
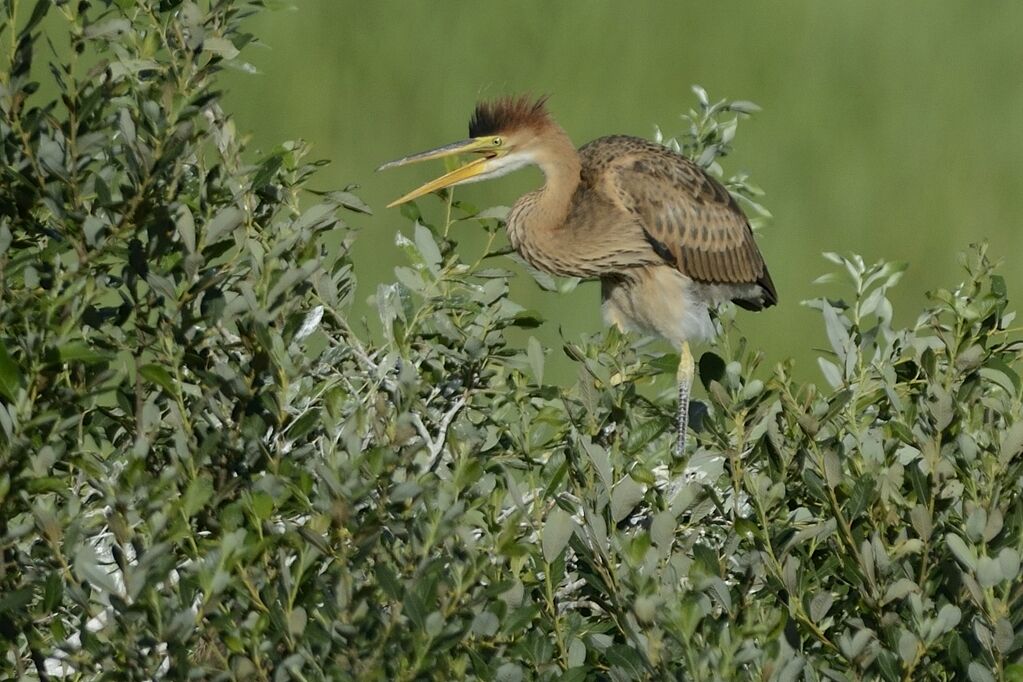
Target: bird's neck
541,212
559,162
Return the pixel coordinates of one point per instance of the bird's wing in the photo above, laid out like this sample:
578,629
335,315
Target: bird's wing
689,218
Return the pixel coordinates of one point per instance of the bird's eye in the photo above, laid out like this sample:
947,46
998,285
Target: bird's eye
497,141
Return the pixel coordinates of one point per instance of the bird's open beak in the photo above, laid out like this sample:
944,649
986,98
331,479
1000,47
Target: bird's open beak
482,145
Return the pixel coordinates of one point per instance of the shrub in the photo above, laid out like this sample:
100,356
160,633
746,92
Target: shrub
207,473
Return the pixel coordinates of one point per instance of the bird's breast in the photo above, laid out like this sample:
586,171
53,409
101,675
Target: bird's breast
661,301
564,256
590,239
547,243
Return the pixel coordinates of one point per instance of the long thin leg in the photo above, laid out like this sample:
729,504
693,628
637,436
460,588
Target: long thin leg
685,384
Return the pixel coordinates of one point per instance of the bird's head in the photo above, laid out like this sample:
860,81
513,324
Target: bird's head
503,133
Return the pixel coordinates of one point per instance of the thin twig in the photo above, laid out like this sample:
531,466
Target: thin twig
436,445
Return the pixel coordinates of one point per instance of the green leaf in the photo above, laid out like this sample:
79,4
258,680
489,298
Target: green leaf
519,618
557,531
838,335
109,28
316,217
1011,445
499,213
908,646
351,202
88,567
899,590
979,673
816,530
828,278
509,672
966,556
38,12
832,374
310,323
975,523
863,492
989,572
127,126
485,624
1009,563
198,493
1004,635
389,583
10,375
79,351
53,591
627,660
744,107
1001,375
701,95
542,279
948,617
643,433
920,517
662,529
601,462
576,656
833,472
427,246
224,222
91,228
627,493
297,620
186,227
159,376
790,672
852,647
220,46
262,504
534,352
526,319
820,605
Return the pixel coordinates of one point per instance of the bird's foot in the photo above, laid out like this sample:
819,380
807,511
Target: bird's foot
682,419
685,383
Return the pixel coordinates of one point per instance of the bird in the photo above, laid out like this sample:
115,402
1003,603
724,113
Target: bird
667,241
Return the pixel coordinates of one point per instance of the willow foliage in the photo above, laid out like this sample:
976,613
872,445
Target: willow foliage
206,473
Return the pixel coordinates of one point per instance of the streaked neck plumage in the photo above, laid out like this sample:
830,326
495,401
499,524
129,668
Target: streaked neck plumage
546,209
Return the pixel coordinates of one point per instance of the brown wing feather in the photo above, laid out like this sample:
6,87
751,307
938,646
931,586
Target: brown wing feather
689,217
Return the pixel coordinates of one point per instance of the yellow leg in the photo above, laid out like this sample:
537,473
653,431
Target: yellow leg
685,385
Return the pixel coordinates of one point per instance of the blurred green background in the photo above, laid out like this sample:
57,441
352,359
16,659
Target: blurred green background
894,130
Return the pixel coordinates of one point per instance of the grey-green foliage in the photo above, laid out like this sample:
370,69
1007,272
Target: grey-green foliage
154,291
207,473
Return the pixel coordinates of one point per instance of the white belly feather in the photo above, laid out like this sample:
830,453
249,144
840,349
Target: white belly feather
662,301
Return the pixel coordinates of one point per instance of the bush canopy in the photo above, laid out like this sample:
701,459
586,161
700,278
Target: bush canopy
208,472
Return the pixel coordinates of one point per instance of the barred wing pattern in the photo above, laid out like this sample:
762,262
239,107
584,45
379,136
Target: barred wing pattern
689,218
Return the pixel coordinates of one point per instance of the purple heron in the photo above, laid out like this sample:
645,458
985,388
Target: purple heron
666,239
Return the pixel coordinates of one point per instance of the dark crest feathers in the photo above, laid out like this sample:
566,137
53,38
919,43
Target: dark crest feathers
508,113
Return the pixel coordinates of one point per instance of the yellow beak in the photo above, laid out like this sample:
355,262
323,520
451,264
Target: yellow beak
484,145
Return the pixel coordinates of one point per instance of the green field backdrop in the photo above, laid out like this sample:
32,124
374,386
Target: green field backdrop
890,129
